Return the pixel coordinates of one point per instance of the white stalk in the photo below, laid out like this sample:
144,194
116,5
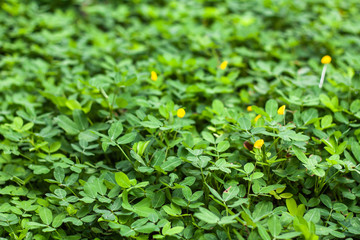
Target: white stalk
322,76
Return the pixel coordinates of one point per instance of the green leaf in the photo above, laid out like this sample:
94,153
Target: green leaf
214,192
67,124
164,112
147,228
274,225
152,123
75,221
355,148
99,186
301,210
263,233
45,215
18,122
137,157
230,193
54,147
58,220
173,210
218,107
122,180
196,196
127,138
326,121
90,189
61,193
158,200
125,203
325,199
143,208
309,116
262,209
125,231
207,216
187,192
208,137
121,102
256,175
39,169
171,163
299,154
245,123
166,227
88,218
228,219
155,120
149,124
286,195
331,104
31,225
338,234
80,119
88,136
159,158
204,160
355,106
291,206
73,104
140,147
173,231
223,146
261,112
271,108
289,235
115,130
313,215
339,207
248,168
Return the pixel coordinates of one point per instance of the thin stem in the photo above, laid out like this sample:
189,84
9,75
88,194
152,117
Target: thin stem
327,181
322,76
70,190
123,153
227,232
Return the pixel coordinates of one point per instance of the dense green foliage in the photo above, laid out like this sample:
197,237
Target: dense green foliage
92,147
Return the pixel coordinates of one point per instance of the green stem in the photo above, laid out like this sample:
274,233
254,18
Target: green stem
248,192
71,190
123,153
328,218
327,182
227,232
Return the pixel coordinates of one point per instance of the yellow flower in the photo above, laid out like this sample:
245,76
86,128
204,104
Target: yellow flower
154,76
258,144
249,109
326,59
223,65
257,118
180,113
281,110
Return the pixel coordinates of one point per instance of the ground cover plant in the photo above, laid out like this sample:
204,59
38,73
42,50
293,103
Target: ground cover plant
179,119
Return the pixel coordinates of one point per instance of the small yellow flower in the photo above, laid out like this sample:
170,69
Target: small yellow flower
154,76
281,110
223,65
257,118
180,113
326,59
259,143
249,109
